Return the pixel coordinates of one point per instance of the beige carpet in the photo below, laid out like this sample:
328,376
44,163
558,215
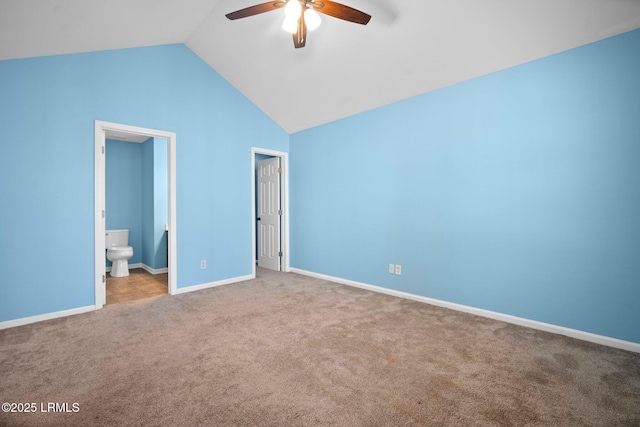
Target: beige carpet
286,350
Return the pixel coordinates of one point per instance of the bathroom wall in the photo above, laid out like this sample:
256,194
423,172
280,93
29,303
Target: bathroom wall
160,202
147,198
154,203
124,192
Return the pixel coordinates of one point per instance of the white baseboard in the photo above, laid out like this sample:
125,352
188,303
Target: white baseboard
214,284
561,330
144,267
154,270
46,316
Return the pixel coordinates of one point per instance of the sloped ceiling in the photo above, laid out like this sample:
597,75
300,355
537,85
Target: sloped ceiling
410,47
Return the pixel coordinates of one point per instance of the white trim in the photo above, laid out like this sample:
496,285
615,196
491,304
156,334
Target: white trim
214,284
144,267
154,270
99,190
99,222
47,316
561,330
284,164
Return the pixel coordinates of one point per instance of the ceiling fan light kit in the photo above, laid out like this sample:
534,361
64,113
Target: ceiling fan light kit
290,25
293,9
302,15
312,19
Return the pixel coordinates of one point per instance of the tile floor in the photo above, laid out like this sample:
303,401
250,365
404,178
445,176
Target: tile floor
138,284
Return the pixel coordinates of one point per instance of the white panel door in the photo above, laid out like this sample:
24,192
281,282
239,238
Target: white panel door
269,213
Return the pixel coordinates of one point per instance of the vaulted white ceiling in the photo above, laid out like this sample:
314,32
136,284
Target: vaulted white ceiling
410,47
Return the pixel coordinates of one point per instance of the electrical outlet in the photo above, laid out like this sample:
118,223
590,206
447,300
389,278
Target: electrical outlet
398,269
203,264
392,268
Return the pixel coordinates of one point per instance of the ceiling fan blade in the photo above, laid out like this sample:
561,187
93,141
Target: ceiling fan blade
341,11
255,10
300,37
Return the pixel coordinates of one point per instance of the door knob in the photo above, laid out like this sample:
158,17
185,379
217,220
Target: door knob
258,218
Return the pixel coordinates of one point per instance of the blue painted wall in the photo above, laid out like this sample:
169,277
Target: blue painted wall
146,198
517,192
124,192
47,183
155,203
160,203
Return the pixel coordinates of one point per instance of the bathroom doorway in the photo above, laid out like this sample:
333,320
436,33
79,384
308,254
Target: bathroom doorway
164,228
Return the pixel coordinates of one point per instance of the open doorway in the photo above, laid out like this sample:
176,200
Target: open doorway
136,216
119,132
270,222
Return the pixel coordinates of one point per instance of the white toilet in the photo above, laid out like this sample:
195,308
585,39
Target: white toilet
118,251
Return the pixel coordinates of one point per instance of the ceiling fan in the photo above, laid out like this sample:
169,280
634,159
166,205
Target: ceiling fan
302,15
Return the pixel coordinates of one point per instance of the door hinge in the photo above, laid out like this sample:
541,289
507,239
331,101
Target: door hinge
279,170
103,149
104,278
279,211
103,213
280,254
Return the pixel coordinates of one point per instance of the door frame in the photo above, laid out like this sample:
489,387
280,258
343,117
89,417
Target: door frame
100,192
284,201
